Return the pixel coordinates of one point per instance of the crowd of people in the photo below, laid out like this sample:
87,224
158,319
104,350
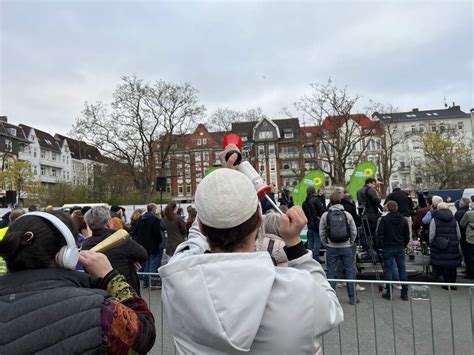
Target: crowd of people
235,275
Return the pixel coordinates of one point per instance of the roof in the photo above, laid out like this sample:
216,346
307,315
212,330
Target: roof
282,124
6,129
81,150
45,139
453,112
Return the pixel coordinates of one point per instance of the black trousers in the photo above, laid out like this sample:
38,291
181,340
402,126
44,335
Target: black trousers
449,275
468,253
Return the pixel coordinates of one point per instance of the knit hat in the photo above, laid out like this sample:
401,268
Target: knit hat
225,198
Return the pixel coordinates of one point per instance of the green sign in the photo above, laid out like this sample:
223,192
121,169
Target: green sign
363,171
314,178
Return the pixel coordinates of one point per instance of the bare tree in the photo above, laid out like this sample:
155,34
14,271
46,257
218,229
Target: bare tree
139,115
341,137
389,140
222,118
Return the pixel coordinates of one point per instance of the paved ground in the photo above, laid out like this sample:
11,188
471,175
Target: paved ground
379,337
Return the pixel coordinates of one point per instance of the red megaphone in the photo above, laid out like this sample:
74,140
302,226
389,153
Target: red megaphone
233,138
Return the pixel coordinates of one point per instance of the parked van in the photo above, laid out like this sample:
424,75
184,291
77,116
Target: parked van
467,193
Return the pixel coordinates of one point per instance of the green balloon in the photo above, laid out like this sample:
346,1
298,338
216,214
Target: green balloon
363,171
314,178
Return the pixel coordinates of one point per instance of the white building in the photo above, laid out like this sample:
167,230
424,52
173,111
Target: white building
410,127
80,160
45,155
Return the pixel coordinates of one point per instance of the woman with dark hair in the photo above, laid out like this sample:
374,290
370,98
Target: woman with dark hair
175,228
56,310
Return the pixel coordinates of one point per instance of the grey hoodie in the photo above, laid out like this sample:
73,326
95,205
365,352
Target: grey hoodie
323,232
235,303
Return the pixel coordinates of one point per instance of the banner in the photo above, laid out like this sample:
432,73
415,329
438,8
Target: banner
363,171
210,170
314,178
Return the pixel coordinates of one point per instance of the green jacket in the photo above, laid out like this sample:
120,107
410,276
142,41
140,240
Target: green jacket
467,222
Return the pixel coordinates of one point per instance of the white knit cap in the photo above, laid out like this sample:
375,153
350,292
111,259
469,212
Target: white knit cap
225,198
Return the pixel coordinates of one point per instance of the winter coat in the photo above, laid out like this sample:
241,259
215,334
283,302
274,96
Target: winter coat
57,311
444,239
240,303
176,233
149,233
404,201
122,257
323,232
393,230
467,223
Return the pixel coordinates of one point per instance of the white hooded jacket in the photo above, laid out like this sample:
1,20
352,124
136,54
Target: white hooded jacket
234,303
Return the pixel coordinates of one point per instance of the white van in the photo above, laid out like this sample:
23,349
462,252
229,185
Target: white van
467,193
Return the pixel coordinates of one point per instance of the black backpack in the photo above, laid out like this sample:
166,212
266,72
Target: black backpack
338,228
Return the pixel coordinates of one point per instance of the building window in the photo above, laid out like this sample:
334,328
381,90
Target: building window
460,125
43,154
261,150
199,141
271,149
180,187
204,141
188,188
53,172
413,128
53,156
205,156
244,137
8,145
442,128
265,135
288,133
43,170
309,134
35,169
67,175
422,128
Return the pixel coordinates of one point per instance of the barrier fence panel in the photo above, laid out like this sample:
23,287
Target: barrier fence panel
432,321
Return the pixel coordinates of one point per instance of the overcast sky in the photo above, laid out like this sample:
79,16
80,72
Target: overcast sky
55,55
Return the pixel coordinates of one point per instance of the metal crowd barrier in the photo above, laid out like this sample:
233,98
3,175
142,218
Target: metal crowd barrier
432,321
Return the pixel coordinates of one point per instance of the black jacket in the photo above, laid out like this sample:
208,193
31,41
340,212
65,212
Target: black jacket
446,228
369,203
350,207
313,209
149,233
393,231
51,311
405,203
458,216
122,257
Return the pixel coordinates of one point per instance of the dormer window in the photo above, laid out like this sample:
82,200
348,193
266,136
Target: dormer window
265,135
12,131
288,133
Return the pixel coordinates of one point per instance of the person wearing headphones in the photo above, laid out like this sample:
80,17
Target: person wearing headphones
49,308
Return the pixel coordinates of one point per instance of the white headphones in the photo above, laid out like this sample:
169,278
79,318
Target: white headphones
68,256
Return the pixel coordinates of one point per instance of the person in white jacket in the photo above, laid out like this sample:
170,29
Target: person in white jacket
220,296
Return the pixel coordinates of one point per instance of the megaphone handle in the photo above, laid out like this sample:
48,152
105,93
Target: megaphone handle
239,156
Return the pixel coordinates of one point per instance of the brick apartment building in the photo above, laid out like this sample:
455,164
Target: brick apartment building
280,151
